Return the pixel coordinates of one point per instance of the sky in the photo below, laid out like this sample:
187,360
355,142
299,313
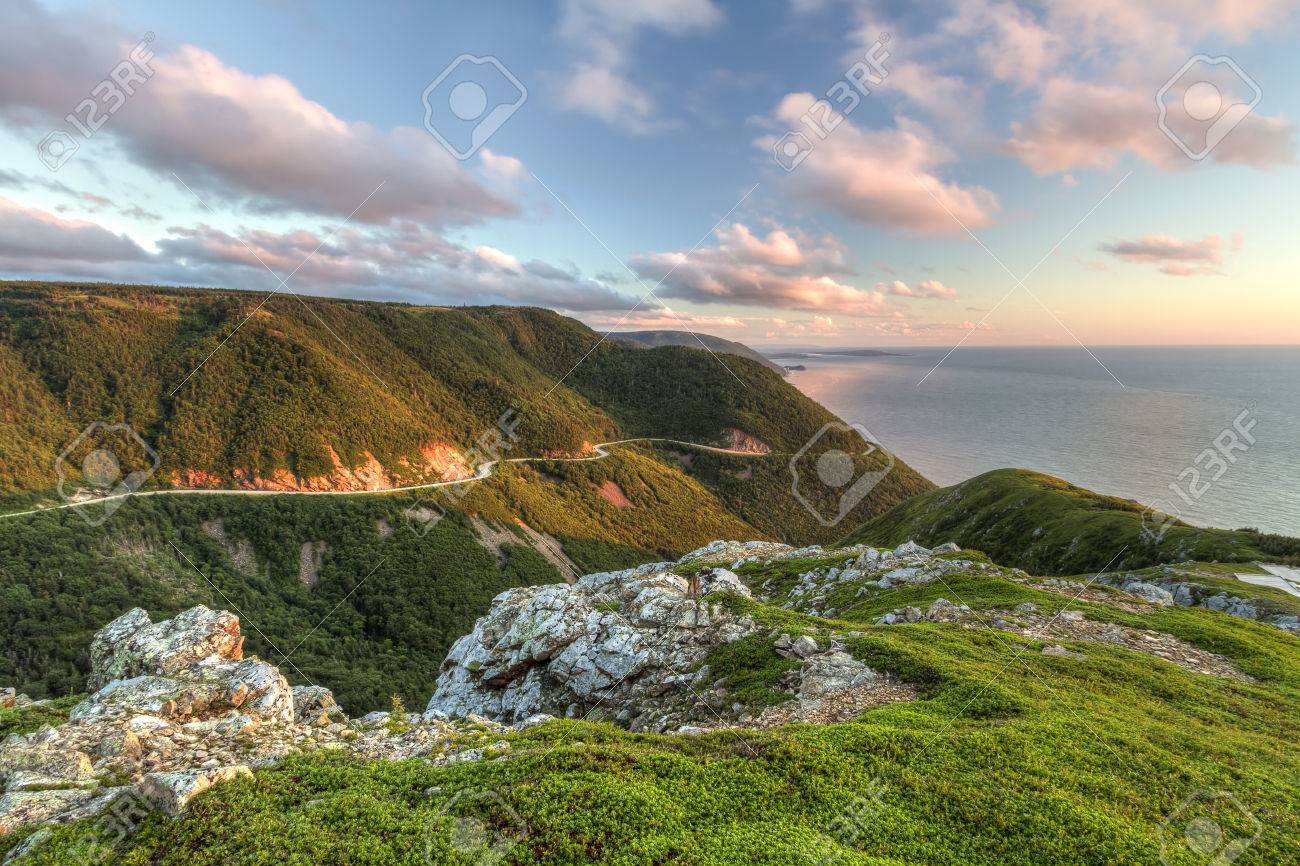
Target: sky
790,172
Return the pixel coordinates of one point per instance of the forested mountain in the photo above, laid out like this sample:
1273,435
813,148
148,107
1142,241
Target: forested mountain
236,389
703,342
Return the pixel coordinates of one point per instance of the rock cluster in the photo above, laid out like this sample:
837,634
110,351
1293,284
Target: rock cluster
624,645
1172,588
1026,621
871,569
176,708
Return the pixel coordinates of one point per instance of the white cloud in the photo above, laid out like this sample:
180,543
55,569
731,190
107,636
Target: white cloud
497,258
500,165
231,135
602,32
886,177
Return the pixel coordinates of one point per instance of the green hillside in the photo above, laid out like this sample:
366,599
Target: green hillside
1095,753
1048,526
228,387
391,592
703,342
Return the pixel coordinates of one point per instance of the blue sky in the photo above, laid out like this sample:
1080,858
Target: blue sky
1001,133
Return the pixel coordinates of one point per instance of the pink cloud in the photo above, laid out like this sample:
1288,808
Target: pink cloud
33,238
1084,124
924,289
1179,258
778,271
886,177
233,135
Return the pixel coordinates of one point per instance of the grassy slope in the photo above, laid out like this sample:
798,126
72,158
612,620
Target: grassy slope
760,491
1048,526
1010,757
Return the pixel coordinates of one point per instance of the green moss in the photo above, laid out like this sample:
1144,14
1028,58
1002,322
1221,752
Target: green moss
24,720
1008,757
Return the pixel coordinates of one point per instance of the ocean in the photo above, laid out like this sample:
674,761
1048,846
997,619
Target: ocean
1056,410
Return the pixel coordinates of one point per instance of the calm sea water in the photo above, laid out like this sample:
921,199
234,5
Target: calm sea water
1056,410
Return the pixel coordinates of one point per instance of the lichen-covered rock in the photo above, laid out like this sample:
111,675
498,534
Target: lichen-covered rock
831,671
208,688
313,703
18,808
171,793
1149,592
731,551
190,666
803,647
911,548
132,645
44,760
627,643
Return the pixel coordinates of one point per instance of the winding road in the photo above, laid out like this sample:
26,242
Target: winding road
484,470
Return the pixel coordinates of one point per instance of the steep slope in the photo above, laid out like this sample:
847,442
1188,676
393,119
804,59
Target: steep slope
703,342
365,593
670,391
235,389
1048,526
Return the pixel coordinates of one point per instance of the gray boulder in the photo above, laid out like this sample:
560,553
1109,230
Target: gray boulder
629,643
190,666
311,704
1149,592
132,646
829,672
723,580
803,647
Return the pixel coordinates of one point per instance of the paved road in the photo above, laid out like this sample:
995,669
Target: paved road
484,471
